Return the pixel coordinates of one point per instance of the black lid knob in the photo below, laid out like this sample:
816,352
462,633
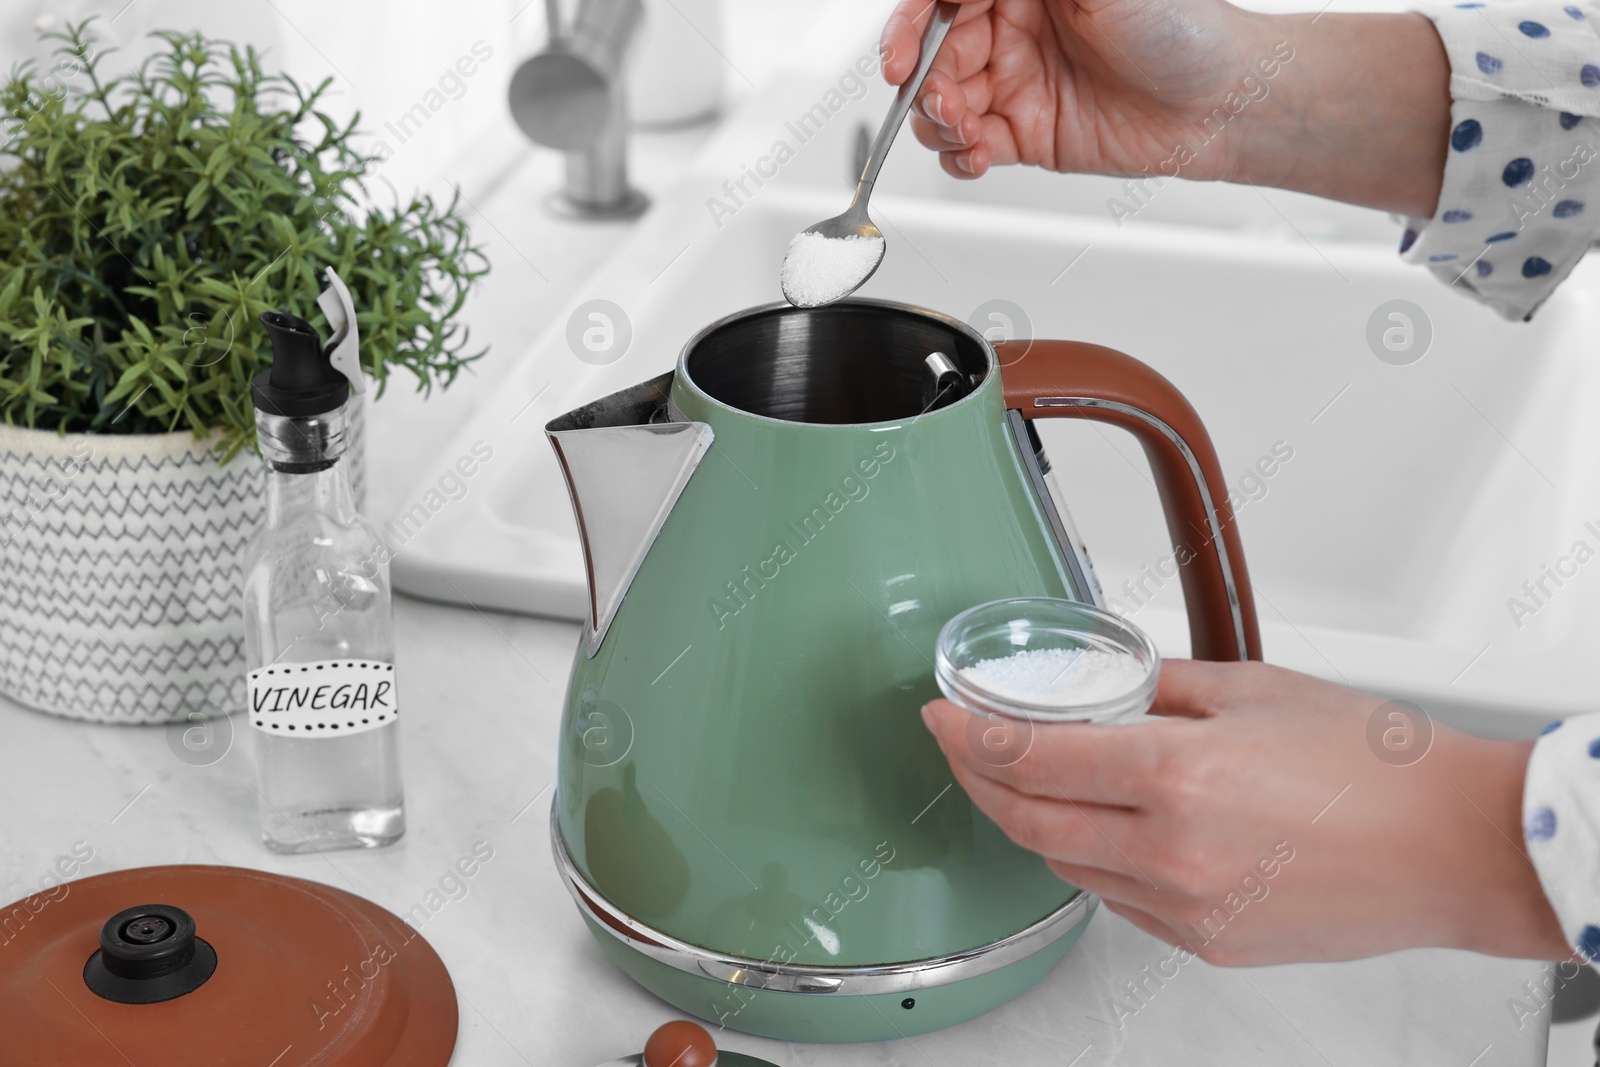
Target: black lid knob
148,954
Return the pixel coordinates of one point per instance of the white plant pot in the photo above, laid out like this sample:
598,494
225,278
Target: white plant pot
121,594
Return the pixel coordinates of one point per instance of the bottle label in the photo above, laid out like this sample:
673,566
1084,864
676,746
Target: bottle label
330,698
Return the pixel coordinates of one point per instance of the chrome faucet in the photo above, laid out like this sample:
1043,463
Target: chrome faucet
571,97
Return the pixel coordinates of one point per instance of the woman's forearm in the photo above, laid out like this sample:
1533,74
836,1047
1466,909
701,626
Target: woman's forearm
1362,114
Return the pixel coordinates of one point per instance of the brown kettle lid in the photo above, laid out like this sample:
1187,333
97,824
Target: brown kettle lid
188,965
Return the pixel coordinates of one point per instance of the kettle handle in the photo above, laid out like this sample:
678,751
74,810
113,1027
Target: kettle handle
1073,380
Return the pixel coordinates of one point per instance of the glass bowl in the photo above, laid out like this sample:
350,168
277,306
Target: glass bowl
1063,676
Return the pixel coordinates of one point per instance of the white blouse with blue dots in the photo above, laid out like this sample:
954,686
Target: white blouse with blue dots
1519,206
1561,826
1520,202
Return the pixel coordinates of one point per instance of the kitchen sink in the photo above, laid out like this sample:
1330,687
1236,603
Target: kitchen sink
1388,511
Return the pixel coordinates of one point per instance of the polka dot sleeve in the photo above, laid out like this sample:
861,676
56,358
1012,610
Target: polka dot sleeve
1561,825
1520,203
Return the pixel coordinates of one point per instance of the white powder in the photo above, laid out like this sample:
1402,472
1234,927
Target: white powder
1058,677
818,270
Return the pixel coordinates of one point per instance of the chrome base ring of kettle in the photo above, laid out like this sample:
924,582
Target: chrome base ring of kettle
844,1003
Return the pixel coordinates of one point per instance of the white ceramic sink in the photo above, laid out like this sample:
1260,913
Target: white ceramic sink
1417,499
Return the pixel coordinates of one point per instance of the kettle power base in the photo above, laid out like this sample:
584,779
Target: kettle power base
824,1004
832,1017
832,1003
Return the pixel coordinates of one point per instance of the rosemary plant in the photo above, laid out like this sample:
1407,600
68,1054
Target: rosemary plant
146,220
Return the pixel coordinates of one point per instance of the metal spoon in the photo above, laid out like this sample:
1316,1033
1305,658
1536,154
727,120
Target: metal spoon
855,221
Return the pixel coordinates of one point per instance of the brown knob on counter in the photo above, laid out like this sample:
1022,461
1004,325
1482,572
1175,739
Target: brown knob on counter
680,1044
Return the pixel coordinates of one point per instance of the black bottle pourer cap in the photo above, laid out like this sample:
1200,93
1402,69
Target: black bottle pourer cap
302,380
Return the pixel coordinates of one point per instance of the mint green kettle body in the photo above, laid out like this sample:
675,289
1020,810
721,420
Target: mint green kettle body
749,812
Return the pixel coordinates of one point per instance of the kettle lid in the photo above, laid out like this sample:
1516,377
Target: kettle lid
176,965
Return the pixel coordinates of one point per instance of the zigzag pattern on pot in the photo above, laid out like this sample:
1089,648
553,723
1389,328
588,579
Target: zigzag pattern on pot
110,658
120,588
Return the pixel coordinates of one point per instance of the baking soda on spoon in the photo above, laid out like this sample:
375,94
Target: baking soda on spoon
1058,678
818,270
834,258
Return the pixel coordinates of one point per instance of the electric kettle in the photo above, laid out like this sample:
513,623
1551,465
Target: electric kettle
749,813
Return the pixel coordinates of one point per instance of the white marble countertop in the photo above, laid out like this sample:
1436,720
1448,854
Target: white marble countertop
483,694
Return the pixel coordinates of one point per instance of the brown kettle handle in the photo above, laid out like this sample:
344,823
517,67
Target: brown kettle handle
1072,380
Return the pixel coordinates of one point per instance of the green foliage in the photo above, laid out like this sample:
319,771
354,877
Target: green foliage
147,220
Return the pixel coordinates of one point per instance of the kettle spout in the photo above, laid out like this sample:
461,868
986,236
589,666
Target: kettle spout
626,463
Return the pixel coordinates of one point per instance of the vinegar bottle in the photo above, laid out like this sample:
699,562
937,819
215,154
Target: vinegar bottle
319,639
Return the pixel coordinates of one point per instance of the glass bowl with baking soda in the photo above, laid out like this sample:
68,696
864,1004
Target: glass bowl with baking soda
1047,660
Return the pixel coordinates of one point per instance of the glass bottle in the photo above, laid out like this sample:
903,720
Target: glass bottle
319,636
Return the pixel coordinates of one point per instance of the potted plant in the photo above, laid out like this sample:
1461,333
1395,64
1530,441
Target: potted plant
146,220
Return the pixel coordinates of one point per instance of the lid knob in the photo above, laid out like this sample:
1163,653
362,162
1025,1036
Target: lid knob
680,1044
148,954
